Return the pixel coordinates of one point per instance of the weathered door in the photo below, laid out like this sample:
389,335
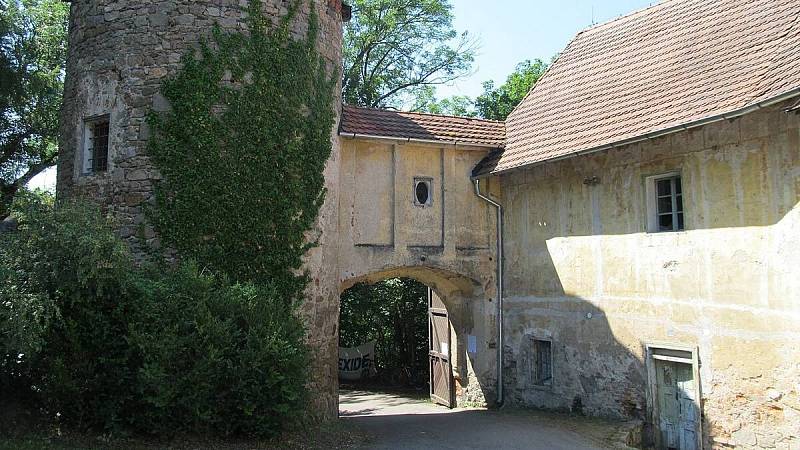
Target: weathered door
679,418
441,372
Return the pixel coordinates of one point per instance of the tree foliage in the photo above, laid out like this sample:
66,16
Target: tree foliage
216,357
242,152
394,313
456,105
496,103
394,49
32,60
64,312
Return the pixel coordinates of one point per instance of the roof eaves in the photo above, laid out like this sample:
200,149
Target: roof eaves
788,95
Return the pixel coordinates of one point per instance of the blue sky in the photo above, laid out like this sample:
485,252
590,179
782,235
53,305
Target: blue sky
511,31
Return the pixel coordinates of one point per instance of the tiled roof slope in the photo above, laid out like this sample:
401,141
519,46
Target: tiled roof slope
428,127
669,65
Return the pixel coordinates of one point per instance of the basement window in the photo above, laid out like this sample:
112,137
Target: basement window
95,145
665,203
541,363
423,191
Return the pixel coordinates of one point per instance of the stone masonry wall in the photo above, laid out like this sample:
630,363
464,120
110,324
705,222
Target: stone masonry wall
119,53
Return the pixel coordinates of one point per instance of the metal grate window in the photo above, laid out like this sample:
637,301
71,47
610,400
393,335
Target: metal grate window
669,204
99,152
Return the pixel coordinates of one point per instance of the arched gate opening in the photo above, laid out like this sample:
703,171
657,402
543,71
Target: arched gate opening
417,332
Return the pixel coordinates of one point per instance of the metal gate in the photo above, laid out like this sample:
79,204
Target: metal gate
441,371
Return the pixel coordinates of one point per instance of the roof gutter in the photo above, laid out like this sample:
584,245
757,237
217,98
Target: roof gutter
656,134
499,208
409,140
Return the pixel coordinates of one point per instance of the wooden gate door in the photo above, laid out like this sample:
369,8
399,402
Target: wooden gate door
441,372
677,406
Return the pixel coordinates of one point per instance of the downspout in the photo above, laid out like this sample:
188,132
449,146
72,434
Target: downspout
499,208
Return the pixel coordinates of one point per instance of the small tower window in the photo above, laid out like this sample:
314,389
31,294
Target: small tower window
423,192
95,145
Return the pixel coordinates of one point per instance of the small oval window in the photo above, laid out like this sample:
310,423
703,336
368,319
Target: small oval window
422,192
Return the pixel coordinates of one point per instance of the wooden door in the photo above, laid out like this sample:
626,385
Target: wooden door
678,415
441,372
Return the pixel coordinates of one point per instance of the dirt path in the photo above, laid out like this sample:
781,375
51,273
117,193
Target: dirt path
394,422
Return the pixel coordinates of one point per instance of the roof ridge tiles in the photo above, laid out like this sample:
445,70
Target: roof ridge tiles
478,119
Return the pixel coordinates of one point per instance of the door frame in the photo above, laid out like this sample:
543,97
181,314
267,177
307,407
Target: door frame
652,383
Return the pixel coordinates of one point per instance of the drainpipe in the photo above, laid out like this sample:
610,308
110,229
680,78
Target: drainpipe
499,208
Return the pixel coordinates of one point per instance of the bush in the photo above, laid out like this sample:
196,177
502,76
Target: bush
110,346
217,357
64,309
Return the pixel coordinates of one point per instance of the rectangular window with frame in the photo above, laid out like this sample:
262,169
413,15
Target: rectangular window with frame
96,145
665,203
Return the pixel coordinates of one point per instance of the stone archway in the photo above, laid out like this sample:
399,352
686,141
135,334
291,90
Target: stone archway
472,333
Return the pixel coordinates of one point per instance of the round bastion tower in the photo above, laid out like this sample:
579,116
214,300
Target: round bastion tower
120,51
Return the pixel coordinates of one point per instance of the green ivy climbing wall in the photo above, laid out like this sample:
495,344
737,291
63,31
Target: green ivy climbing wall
243,149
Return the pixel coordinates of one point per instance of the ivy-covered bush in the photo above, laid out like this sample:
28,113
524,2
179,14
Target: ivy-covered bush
242,151
216,357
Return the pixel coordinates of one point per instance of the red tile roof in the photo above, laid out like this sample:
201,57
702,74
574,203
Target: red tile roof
669,65
427,127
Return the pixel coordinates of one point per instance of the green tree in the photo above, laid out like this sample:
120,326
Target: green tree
394,49
496,103
32,59
456,105
394,313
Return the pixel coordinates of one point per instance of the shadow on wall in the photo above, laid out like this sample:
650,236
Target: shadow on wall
562,355
588,288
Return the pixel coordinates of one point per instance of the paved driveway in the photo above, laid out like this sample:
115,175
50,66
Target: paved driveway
394,422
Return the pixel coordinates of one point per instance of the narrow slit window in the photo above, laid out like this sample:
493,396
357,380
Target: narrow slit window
100,147
96,145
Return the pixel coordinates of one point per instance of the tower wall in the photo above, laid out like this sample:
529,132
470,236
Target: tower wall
120,51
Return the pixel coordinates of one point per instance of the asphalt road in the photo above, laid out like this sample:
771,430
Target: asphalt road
394,422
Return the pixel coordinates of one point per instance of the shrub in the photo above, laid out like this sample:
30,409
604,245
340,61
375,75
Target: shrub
64,309
217,357
108,345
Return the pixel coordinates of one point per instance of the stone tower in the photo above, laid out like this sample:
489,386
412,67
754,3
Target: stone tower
119,53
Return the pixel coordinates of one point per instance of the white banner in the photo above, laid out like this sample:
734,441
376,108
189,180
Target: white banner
357,363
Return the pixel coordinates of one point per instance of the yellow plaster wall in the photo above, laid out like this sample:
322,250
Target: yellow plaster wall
449,245
729,284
